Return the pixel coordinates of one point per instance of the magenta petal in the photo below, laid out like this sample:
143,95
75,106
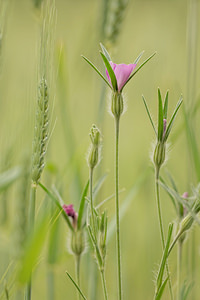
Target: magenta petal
69,209
122,73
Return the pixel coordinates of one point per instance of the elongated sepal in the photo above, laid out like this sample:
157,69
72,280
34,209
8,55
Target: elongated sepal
105,52
169,127
149,114
95,68
110,72
160,116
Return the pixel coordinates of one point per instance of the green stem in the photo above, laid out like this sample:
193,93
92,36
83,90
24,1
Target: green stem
91,203
161,229
179,259
31,220
104,284
50,284
77,261
117,209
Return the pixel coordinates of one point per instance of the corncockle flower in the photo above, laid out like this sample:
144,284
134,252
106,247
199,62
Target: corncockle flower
69,209
122,73
163,130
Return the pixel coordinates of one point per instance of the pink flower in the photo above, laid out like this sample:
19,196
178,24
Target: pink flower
69,209
122,73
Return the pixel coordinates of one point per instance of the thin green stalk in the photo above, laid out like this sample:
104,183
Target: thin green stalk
91,202
179,260
161,229
31,220
77,261
104,284
117,208
50,284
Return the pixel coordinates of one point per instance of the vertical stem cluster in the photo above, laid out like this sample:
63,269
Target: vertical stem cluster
179,259
161,228
117,208
91,202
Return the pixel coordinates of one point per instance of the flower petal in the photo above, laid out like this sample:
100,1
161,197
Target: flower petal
122,73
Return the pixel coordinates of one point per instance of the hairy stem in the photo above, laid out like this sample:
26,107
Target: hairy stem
78,260
117,208
161,229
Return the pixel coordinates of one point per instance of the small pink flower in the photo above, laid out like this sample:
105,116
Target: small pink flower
122,73
69,209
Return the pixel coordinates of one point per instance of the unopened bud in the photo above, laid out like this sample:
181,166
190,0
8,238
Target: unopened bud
159,154
78,242
117,105
94,151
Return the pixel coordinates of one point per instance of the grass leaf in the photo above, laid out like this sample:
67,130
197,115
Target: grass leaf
76,286
9,176
49,193
164,259
82,205
161,290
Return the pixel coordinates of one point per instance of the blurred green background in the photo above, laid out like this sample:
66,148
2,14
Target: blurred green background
171,28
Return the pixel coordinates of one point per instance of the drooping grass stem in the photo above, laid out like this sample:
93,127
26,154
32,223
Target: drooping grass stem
117,207
31,221
161,227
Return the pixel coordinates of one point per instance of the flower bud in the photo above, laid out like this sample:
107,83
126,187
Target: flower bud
159,154
94,151
117,105
78,242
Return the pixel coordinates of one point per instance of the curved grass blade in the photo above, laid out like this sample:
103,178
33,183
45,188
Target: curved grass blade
110,72
169,127
82,205
99,184
149,114
160,116
140,67
9,176
76,286
105,52
58,205
107,199
98,72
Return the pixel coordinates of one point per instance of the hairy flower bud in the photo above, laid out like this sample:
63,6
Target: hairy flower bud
159,154
117,105
78,242
94,151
